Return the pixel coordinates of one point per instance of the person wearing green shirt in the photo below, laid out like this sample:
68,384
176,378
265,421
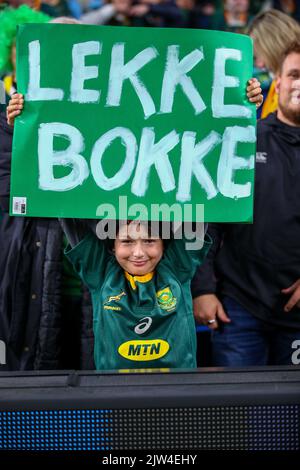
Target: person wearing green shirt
142,305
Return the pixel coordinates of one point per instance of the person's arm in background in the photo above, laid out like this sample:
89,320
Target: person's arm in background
207,306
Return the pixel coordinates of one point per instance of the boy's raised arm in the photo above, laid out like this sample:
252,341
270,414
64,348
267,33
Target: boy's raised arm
14,108
77,229
254,92
187,249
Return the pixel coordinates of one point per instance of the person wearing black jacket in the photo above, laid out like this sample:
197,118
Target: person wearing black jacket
248,290
41,326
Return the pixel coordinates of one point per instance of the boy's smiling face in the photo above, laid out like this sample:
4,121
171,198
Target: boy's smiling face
137,252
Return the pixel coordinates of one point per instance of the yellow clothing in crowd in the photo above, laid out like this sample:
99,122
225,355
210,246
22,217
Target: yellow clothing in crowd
271,102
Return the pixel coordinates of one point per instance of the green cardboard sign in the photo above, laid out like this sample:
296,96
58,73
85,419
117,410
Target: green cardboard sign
134,116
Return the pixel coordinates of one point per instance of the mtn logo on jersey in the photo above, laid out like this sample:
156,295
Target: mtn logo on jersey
148,350
166,299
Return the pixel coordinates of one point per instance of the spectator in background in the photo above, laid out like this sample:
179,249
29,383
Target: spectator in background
45,315
80,7
272,31
10,18
55,8
114,13
161,13
98,12
234,17
290,7
256,6
129,13
197,13
248,289
35,4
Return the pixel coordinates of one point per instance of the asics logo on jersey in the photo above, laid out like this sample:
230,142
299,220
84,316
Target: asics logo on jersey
143,326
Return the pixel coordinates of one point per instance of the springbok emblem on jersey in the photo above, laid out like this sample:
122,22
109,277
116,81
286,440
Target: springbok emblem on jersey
115,298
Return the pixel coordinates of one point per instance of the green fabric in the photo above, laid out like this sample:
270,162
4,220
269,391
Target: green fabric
122,314
10,19
71,283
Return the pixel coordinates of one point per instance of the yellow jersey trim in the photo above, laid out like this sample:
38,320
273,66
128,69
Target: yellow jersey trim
134,279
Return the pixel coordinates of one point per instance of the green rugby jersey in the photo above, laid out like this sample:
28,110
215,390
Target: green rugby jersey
140,321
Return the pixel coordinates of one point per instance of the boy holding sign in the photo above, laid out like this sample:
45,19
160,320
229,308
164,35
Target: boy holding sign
141,289
141,294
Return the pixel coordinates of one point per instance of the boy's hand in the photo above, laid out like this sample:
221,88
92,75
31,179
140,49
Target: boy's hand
254,92
14,108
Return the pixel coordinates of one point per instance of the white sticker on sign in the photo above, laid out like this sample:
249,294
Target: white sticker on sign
19,205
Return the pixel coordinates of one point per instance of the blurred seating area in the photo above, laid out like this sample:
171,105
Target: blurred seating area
224,15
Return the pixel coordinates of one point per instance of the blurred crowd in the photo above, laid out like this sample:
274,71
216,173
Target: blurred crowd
225,15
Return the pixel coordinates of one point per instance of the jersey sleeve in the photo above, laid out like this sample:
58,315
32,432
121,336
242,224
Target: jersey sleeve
205,279
184,256
90,258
